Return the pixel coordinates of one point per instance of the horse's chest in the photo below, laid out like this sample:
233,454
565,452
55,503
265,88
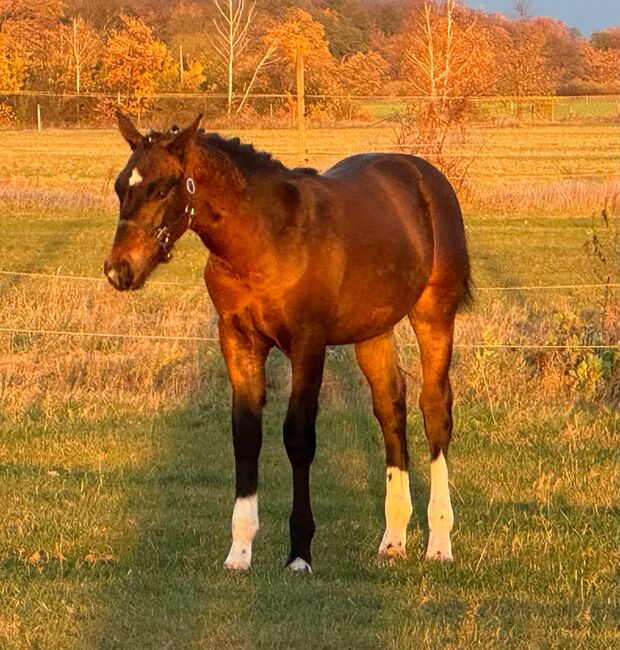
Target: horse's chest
253,312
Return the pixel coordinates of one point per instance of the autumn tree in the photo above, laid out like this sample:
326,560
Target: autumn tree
13,63
364,73
448,60
25,31
135,64
347,24
239,49
84,50
447,53
231,37
606,39
521,54
299,37
599,69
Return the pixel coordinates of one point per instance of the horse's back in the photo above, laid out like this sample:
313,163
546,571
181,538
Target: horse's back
408,196
393,217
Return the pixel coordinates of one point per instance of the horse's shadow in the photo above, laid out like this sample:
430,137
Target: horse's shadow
170,589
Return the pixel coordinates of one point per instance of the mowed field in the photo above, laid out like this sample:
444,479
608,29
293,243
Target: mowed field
116,460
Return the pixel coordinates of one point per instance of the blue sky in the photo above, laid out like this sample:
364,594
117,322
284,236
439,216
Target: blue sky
586,15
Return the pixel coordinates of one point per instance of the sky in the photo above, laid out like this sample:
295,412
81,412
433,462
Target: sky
586,15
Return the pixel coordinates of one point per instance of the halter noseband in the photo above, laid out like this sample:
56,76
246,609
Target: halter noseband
162,234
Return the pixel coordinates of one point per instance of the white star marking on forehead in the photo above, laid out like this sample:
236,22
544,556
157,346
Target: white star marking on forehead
135,177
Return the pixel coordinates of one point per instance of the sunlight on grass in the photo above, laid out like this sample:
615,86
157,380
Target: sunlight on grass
117,465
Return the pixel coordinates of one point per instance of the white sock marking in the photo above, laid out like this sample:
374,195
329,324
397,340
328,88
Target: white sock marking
398,511
135,178
440,515
244,527
300,566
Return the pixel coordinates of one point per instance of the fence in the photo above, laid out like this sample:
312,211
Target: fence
29,108
7,329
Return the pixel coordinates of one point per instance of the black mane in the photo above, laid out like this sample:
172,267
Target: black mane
248,160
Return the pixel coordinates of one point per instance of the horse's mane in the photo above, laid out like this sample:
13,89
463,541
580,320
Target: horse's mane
248,160
245,156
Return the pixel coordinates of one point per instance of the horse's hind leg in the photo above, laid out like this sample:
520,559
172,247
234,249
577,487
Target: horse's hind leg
377,359
433,322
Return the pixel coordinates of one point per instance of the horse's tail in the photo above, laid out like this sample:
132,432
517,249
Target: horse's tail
467,296
449,231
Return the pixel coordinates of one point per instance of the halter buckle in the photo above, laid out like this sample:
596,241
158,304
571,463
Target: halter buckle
190,185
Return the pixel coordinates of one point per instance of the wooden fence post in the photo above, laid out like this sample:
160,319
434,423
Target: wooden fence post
301,104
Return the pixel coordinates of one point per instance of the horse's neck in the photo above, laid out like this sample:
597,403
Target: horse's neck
226,220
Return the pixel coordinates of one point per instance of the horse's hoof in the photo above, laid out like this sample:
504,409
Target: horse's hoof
299,566
238,561
391,552
439,548
233,566
439,557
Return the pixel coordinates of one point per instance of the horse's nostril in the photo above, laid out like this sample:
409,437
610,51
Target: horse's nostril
125,275
119,274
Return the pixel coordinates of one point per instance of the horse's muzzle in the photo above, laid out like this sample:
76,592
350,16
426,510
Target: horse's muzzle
119,275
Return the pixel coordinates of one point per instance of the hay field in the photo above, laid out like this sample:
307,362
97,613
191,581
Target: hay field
115,452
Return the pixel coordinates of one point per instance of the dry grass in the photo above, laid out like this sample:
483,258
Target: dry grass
116,459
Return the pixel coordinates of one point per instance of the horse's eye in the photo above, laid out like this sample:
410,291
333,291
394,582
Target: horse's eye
162,194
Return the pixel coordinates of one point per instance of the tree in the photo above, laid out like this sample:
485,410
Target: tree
600,69
447,53
25,31
606,39
84,49
521,53
347,25
13,61
449,60
231,37
364,73
300,38
136,64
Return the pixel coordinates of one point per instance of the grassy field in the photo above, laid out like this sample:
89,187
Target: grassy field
116,460
491,109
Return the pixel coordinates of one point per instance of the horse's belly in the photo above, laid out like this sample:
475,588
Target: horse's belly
367,312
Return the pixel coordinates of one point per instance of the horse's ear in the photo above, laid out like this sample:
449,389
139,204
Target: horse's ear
178,145
128,130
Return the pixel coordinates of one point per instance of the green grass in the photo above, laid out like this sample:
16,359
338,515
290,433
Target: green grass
487,109
116,460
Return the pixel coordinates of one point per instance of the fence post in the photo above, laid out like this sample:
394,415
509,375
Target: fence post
301,104
181,70
39,117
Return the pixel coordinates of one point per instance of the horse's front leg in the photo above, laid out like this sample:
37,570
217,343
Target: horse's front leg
307,360
245,355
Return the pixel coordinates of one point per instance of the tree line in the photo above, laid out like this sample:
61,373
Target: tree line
442,49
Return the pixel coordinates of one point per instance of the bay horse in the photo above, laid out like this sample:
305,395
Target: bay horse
300,260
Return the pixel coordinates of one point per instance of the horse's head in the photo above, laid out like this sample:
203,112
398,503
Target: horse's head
156,197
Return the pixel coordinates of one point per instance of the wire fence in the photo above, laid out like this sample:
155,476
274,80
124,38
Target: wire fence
31,107
207,339
70,109
7,329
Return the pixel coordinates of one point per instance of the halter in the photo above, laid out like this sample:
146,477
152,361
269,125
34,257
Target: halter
162,234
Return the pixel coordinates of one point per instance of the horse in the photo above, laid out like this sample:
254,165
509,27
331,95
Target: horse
300,261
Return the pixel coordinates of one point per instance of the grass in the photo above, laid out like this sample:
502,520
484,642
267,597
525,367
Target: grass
116,460
488,109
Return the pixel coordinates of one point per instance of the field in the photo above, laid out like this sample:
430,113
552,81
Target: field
115,452
513,108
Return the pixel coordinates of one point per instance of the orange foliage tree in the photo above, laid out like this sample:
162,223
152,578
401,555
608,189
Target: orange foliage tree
448,59
136,65
301,44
